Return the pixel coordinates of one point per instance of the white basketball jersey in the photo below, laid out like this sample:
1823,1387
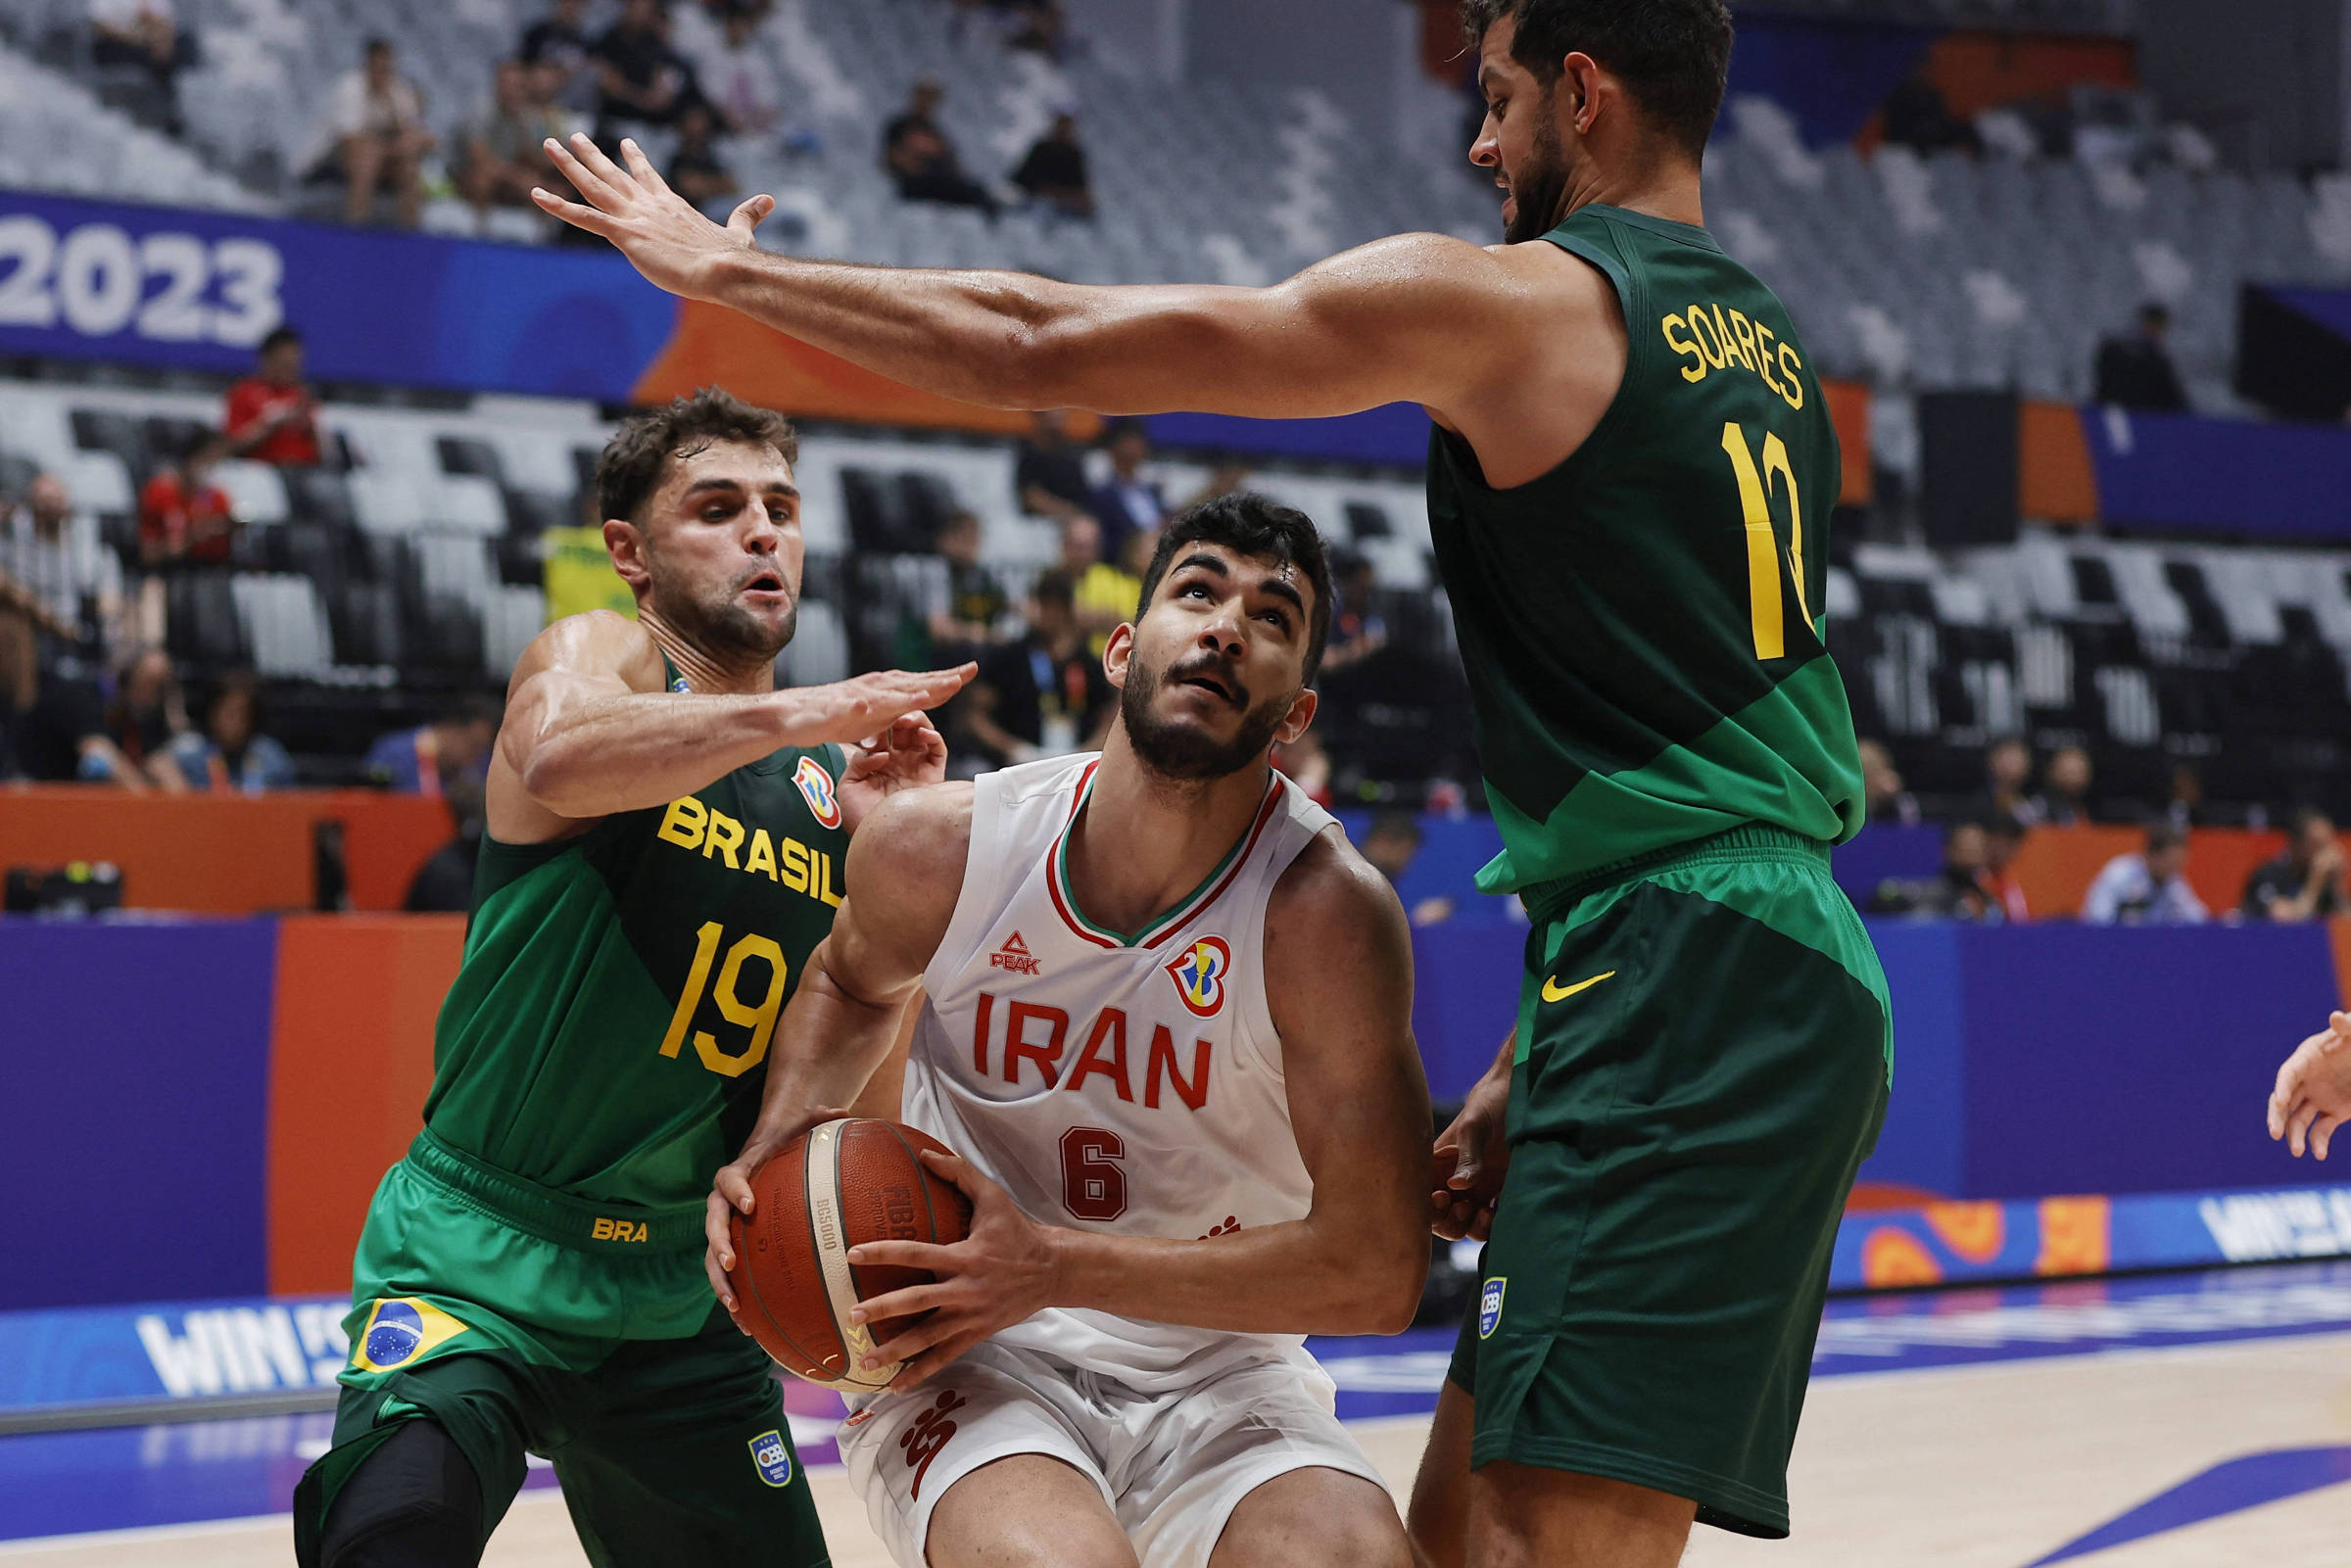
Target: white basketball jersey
1125,1083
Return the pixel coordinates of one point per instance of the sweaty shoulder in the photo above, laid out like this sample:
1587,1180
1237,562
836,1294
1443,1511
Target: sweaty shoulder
594,642
1330,912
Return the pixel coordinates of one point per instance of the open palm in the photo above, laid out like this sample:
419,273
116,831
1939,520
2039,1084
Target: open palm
670,242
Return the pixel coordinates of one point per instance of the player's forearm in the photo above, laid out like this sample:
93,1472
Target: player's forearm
626,753
1289,1278
828,1045
978,337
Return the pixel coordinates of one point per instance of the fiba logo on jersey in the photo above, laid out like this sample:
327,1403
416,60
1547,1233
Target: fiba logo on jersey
816,788
1199,976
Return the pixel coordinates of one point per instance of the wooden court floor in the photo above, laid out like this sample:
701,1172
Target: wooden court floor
1996,1465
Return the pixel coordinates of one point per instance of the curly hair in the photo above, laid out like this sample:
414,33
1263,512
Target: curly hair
640,451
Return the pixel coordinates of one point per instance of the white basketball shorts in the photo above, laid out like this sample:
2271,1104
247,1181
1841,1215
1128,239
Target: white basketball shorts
1171,1466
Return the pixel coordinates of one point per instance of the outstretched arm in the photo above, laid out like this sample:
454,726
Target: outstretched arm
589,731
1416,318
1338,975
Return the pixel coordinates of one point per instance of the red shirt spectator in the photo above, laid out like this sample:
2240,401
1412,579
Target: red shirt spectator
269,416
183,516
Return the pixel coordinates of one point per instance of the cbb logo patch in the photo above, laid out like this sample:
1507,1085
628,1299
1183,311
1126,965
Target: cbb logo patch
816,788
770,1455
399,1330
1200,974
1489,1308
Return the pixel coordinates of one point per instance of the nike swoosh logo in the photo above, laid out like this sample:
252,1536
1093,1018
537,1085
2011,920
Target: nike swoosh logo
1554,991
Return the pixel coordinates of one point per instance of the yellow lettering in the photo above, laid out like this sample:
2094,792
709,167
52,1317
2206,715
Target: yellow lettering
1745,331
1790,364
1762,551
763,855
724,837
1715,356
1730,340
794,872
1763,359
760,1019
706,948
825,889
1775,466
682,824
602,1230
1695,370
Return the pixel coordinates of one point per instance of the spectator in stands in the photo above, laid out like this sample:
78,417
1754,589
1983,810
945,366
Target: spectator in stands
374,137
738,78
1053,173
969,615
2184,809
54,555
1039,27
1045,695
501,149
2007,770
271,417
2149,889
431,759
2134,370
1105,594
1918,116
1127,502
695,169
557,43
1391,845
639,77
2306,883
2064,799
1308,763
1047,475
443,884
2003,839
230,753
1882,787
919,157
1228,478
184,518
143,35
1357,630
1961,890
139,728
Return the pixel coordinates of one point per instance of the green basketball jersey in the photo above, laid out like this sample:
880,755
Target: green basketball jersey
1642,624
606,1030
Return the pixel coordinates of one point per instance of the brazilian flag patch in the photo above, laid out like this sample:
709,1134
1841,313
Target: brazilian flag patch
398,1330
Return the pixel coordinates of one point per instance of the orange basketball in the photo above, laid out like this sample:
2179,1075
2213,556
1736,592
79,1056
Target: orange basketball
833,1187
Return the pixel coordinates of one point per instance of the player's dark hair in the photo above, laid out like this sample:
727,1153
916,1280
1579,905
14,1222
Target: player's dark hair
635,458
1673,55
1247,524
279,338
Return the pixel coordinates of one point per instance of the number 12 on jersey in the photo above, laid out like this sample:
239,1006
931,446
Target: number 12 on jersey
1756,488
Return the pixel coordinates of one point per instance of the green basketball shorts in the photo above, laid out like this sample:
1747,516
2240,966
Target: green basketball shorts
1702,1062
507,1315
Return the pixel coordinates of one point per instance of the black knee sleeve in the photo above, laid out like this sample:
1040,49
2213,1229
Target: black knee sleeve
414,1503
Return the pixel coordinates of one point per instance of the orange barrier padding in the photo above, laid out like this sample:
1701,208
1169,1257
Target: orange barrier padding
1979,70
224,854
2057,865
714,346
2339,938
2055,481
350,1062
1848,408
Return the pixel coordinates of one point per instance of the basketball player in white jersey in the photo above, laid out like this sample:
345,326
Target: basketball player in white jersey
1168,1027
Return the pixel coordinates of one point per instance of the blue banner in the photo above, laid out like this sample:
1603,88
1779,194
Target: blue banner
71,1358
198,290
2165,473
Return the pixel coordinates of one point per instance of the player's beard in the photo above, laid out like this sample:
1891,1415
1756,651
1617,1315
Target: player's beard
725,627
1539,185
1183,751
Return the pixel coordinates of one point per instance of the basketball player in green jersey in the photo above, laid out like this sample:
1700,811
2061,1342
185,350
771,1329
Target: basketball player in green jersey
1629,484
667,832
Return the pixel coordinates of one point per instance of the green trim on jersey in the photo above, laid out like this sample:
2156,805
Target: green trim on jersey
1178,912
1637,624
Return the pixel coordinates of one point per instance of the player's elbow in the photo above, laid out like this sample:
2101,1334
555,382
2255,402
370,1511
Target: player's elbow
554,777
1384,1288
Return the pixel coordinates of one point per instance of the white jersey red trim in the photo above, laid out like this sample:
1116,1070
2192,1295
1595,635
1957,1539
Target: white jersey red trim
1114,1082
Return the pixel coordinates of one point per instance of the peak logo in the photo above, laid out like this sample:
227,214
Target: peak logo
1014,956
1200,973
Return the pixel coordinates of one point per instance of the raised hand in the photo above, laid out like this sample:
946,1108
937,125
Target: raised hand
909,755
670,242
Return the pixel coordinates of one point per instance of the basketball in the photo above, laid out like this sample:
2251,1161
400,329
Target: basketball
833,1187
